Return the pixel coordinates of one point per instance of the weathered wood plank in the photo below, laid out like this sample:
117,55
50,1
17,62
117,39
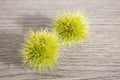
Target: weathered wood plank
97,59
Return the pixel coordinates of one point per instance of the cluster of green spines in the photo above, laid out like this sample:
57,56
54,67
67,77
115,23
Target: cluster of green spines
71,27
40,50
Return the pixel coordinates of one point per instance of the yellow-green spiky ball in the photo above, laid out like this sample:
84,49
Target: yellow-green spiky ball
71,27
40,50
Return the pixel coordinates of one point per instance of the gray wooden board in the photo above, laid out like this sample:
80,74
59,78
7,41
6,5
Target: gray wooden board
96,59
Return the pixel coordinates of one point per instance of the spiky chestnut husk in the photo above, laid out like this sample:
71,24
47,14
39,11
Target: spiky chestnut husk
71,27
40,50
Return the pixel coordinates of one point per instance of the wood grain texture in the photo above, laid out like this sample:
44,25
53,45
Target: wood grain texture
97,59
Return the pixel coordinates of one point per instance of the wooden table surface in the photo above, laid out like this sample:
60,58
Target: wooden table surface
96,59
